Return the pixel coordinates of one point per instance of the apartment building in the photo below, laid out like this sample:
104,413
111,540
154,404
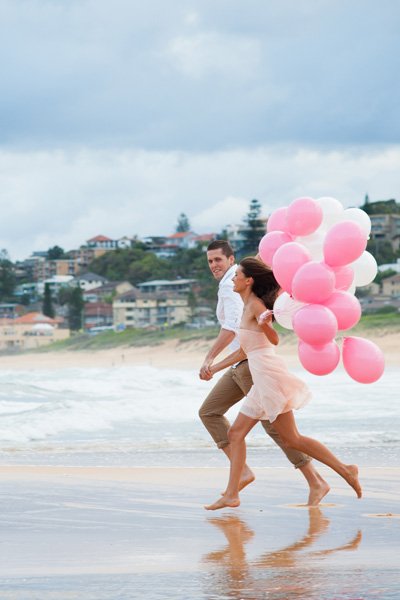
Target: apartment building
386,227
137,310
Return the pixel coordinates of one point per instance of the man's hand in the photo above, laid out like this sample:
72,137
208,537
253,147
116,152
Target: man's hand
205,372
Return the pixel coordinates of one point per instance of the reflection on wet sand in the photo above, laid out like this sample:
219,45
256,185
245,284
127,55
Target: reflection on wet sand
288,570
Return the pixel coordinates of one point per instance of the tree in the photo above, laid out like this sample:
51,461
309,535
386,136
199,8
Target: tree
381,207
254,224
182,224
7,278
55,253
382,250
192,304
48,308
76,305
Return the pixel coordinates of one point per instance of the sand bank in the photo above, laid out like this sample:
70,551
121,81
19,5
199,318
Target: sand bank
101,532
171,354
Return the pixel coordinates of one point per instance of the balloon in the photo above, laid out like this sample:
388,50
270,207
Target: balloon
270,243
356,215
344,277
287,259
365,269
304,216
362,359
284,309
319,360
313,282
314,244
346,309
333,211
277,220
344,243
315,324
352,288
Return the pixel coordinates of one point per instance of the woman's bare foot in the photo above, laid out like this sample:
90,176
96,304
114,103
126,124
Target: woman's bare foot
224,502
352,479
317,491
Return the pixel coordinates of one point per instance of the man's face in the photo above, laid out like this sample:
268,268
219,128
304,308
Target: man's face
219,263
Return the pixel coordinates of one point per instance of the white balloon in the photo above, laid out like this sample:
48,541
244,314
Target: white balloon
358,216
314,244
352,288
285,307
365,269
332,210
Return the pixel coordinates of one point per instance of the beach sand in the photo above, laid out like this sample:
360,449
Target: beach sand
143,533
171,354
96,533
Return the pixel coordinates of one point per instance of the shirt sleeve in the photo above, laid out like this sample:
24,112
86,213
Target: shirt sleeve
232,309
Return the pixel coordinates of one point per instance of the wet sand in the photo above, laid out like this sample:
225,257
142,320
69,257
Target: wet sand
70,532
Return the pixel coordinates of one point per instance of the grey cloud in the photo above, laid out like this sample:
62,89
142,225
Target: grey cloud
209,75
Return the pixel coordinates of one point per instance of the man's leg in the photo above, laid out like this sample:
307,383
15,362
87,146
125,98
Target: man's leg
318,486
222,397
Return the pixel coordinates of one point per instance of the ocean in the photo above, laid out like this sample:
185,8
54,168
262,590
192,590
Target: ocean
148,417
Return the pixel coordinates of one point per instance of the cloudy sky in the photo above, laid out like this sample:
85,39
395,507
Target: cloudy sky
119,115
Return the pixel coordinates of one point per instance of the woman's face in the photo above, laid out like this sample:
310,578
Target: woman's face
239,280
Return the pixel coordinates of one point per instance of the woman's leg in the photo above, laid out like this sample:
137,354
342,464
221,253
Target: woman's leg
286,427
237,434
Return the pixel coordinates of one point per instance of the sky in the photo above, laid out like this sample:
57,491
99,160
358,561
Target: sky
117,116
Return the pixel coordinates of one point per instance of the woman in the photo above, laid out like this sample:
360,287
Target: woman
276,391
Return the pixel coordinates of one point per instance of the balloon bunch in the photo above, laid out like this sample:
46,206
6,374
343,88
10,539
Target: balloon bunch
316,250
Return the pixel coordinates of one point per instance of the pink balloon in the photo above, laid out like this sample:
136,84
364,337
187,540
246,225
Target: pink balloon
362,359
277,220
319,360
315,324
270,243
345,307
344,243
344,277
287,259
313,283
304,216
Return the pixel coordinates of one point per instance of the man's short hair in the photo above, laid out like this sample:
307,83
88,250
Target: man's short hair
222,245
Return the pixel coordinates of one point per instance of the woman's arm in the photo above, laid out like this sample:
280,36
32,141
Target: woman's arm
264,320
228,361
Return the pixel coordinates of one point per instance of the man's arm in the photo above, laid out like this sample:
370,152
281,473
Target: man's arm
232,314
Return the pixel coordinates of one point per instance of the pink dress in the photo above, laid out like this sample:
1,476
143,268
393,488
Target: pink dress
275,390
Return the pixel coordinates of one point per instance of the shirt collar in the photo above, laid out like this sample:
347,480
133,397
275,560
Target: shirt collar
229,274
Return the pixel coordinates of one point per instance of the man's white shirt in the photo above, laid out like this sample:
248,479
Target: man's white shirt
229,307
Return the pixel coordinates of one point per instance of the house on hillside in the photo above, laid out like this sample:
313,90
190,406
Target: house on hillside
97,314
184,239
158,286
88,281
391,286
109,289
30,331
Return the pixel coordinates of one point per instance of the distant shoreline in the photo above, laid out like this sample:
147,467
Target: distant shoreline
175,353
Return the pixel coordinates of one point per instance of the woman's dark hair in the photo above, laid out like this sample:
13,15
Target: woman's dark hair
265,285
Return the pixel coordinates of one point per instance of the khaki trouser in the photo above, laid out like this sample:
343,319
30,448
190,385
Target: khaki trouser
231,388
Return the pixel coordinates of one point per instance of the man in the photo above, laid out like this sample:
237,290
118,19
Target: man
236,382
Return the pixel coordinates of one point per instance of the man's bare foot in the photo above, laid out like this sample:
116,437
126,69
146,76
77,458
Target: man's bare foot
317,491
352,479
246,478
224,502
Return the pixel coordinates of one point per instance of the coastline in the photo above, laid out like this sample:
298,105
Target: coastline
171,354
